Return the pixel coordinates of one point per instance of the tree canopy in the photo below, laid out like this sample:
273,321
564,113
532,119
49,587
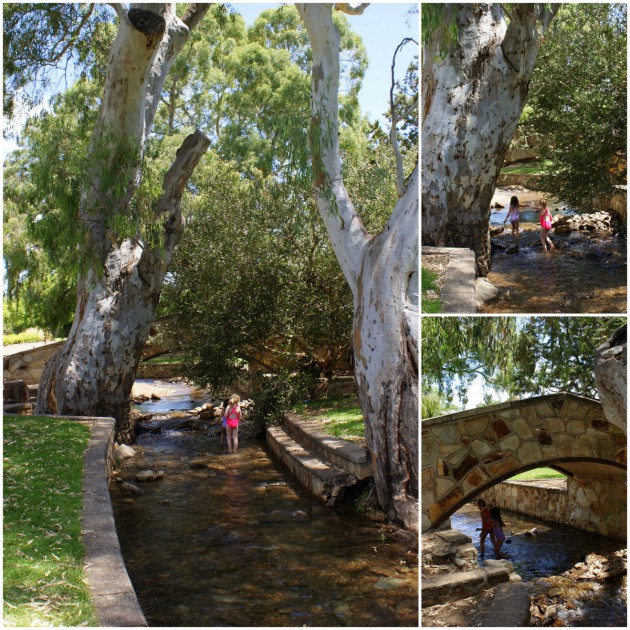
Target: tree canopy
577,101
520,357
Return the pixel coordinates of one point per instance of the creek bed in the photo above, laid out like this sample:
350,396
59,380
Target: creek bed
238,544
542,559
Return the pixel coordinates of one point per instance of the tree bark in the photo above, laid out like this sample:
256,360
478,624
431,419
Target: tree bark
472,98
116,298
382,273
611,376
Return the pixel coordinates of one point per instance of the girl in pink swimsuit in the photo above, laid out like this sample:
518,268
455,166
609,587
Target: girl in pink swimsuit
514,215
545,225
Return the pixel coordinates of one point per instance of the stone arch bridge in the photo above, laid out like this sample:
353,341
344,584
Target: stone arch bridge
465,453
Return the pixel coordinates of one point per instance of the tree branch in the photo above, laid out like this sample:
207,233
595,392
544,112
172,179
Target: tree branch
346,8
195,13
348,236
118,7
400,176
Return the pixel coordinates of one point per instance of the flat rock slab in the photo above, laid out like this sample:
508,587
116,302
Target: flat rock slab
510,607
453,537
437,589
458,293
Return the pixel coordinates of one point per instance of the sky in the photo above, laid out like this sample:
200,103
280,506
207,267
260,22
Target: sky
382,27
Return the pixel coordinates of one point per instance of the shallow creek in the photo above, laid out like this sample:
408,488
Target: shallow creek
586,274
540,560
239,544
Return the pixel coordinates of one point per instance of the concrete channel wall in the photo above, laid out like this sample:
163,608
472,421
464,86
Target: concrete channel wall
593,504
112,593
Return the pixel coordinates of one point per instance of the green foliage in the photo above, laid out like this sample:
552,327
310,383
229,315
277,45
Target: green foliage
42,40
439,21
434,404
254,274
522,356
275,394
578,101
43,572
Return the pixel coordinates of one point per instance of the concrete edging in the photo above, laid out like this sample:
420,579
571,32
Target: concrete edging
458,292
111,592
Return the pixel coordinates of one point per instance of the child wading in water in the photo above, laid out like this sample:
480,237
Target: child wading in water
487,526
499,536
514,215
233,415
545,225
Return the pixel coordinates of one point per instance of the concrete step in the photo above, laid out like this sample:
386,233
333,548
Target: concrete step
438,589
323,479
351,457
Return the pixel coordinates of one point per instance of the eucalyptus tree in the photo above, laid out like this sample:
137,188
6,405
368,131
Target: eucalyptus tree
518,356
126,234
381,270
477,64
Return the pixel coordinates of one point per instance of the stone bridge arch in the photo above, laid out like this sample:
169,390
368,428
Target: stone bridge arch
465,453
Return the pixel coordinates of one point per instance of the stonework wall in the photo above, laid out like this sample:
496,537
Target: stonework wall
464,453
594,504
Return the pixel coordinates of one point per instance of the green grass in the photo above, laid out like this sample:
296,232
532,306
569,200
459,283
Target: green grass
165,360
538,473
43,548
341,416
31,335
529,168
429,283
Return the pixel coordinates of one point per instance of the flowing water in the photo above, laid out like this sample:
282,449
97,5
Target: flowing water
541,559
239,544
586,274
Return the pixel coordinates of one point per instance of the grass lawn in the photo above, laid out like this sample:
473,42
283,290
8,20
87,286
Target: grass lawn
43,548
529,168
429,305
31,335
538,473
166,359
340,416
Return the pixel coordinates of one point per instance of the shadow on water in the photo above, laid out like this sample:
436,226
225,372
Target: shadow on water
238,544
541,559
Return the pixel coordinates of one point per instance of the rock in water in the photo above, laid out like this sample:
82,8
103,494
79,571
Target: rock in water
123,452
485,292
149,475
130,488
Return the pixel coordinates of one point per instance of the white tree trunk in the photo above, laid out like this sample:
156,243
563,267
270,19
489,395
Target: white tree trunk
472,98
611,376
116,298
382,273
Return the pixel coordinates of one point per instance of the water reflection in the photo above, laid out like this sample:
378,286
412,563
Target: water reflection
238,544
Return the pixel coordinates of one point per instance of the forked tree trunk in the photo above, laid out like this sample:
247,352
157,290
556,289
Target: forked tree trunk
382,273
116,298
472,98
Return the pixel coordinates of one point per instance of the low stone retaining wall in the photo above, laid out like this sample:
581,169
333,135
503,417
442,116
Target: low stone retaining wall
346,455
323,481
594,504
